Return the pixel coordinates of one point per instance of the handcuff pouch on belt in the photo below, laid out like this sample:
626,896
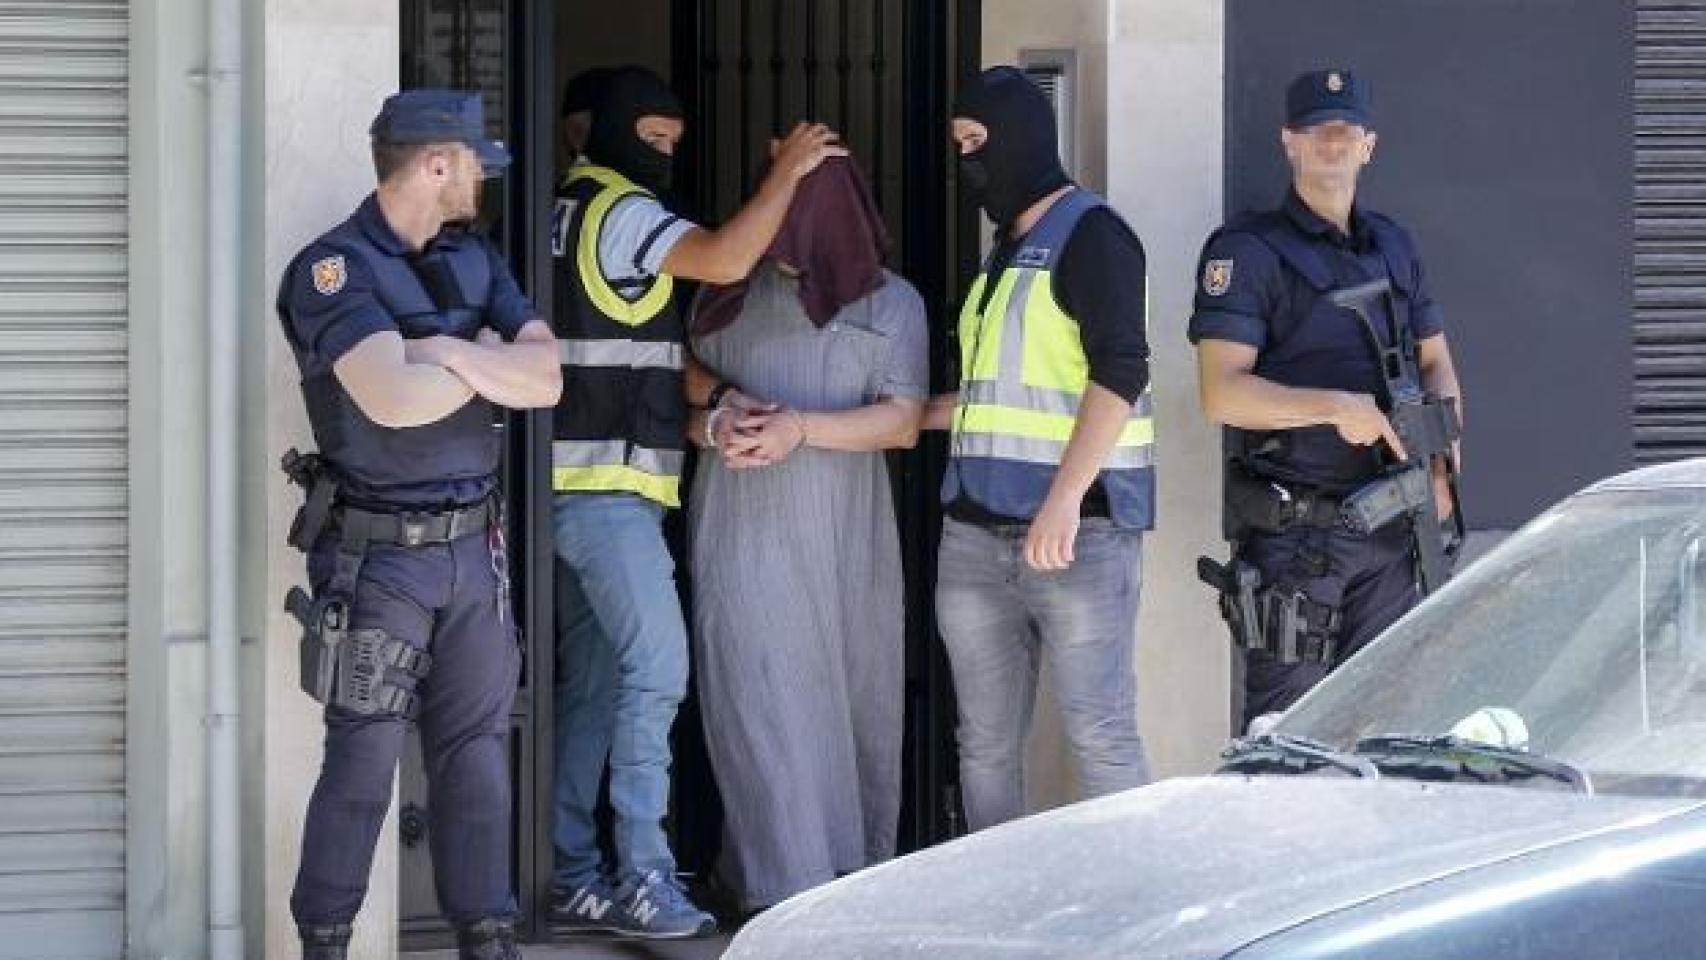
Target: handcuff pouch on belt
1257,503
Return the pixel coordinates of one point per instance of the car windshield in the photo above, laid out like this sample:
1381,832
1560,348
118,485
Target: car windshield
1582,638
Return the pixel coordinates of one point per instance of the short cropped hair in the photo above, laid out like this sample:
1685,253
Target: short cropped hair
390,159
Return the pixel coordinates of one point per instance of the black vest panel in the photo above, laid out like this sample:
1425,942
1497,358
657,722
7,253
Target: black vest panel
1317,455
642,405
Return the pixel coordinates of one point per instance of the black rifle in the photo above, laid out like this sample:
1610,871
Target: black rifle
1427,426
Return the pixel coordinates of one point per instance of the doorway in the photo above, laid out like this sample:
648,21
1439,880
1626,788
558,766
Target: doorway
881,72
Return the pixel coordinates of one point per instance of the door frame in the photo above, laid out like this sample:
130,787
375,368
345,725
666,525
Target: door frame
942,47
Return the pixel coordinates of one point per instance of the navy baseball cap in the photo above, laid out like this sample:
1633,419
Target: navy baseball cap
1324,95
439,116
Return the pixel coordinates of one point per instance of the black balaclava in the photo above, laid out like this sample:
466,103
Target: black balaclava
1020,163
584,90
631,93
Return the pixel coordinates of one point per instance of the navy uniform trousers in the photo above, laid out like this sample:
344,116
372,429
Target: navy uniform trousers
1371,580
445,598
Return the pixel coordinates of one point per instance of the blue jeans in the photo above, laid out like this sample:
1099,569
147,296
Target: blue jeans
999,617
621,674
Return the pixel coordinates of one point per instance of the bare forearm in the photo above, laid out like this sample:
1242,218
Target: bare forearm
416,395
521,375
1249,402
939,411
698,382
1439,379
729,253
393,388
748,234
1102,417
695,426
886,425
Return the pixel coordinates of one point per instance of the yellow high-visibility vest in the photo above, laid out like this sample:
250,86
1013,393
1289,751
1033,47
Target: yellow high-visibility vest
1023,376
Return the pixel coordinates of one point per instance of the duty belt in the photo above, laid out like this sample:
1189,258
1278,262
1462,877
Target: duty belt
1272,506
413,529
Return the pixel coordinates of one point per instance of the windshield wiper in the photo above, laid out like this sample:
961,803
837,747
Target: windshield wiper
1283,753
1459,758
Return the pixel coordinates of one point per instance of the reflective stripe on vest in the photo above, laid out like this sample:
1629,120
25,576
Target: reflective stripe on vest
1024,365
613,187
621,353
615,466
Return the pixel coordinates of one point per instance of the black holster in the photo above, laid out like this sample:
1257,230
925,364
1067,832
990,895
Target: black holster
1277,619
320,487
366,672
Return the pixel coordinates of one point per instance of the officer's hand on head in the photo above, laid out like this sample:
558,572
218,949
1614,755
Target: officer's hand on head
1360,422
805,147
1053,531
487,337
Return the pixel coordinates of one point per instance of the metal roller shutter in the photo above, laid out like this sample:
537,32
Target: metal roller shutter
63,278
1670,230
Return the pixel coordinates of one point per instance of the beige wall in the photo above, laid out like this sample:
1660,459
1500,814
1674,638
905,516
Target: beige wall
1079,25
328,65
1158,160
1165,171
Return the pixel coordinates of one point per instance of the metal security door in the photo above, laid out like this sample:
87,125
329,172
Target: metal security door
64,167
488,46
1670,230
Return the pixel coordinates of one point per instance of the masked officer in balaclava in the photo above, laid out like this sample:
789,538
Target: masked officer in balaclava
1050,482
574,114
619,440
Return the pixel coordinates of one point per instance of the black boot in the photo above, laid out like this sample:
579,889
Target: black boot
324,941
490,939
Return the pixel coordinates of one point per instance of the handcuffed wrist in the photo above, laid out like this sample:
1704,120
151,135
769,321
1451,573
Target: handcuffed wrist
719,393
711,426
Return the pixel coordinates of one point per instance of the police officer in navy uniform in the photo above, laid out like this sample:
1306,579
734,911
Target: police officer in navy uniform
1296,379
410,332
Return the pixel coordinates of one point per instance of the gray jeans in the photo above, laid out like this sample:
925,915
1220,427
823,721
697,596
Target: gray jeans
999,617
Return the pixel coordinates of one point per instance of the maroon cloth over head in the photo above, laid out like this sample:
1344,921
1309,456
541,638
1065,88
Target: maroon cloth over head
832,234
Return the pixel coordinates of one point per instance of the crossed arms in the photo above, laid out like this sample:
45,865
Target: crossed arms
409,383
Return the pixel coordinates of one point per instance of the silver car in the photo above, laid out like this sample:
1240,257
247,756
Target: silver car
1517,769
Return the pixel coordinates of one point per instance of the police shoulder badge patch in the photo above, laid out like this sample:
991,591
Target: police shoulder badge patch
330,275
1217,277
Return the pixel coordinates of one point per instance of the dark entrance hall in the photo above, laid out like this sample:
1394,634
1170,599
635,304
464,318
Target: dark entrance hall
879,71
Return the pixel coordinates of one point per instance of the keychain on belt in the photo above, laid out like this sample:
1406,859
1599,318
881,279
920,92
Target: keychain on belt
499,551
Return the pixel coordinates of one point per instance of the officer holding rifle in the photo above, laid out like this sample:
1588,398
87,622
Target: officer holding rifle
1321,350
